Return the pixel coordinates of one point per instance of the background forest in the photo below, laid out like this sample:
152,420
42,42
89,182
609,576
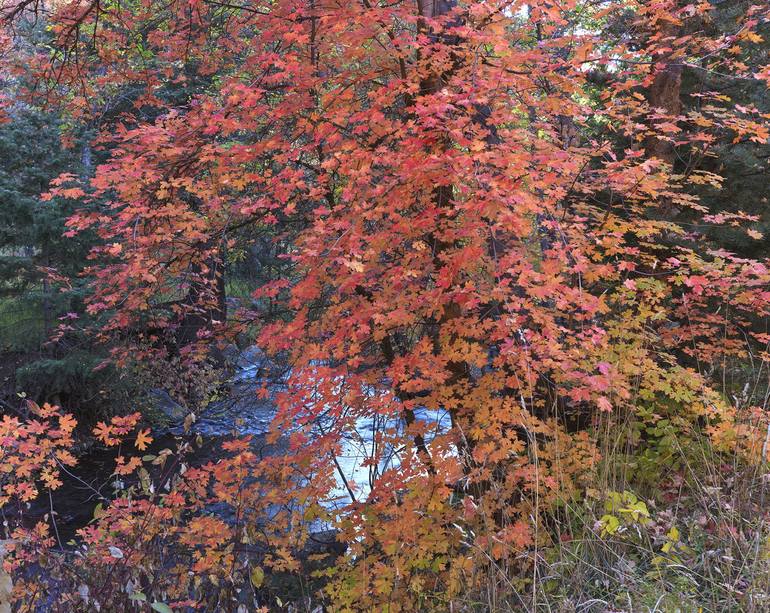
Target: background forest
423,305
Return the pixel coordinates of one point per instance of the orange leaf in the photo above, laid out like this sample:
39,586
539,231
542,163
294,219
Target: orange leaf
143,439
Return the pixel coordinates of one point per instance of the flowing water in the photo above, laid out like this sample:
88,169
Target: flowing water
242,413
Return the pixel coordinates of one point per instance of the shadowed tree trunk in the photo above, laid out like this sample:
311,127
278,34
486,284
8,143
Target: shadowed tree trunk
663,95
203,312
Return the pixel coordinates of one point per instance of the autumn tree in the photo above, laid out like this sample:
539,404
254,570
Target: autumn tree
478,198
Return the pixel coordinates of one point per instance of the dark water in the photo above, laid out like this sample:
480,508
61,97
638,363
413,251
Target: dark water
91,482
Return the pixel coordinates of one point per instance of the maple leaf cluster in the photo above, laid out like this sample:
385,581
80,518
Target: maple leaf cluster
33,451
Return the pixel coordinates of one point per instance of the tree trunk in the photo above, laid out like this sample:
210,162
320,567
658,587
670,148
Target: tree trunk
663,94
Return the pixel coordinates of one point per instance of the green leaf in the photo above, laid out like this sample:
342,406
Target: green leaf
161,607
138,596
257,576
610,524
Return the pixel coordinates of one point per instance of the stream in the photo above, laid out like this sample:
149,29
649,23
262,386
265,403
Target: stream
242,413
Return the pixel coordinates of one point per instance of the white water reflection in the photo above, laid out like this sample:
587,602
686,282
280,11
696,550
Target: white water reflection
359,446
245,413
